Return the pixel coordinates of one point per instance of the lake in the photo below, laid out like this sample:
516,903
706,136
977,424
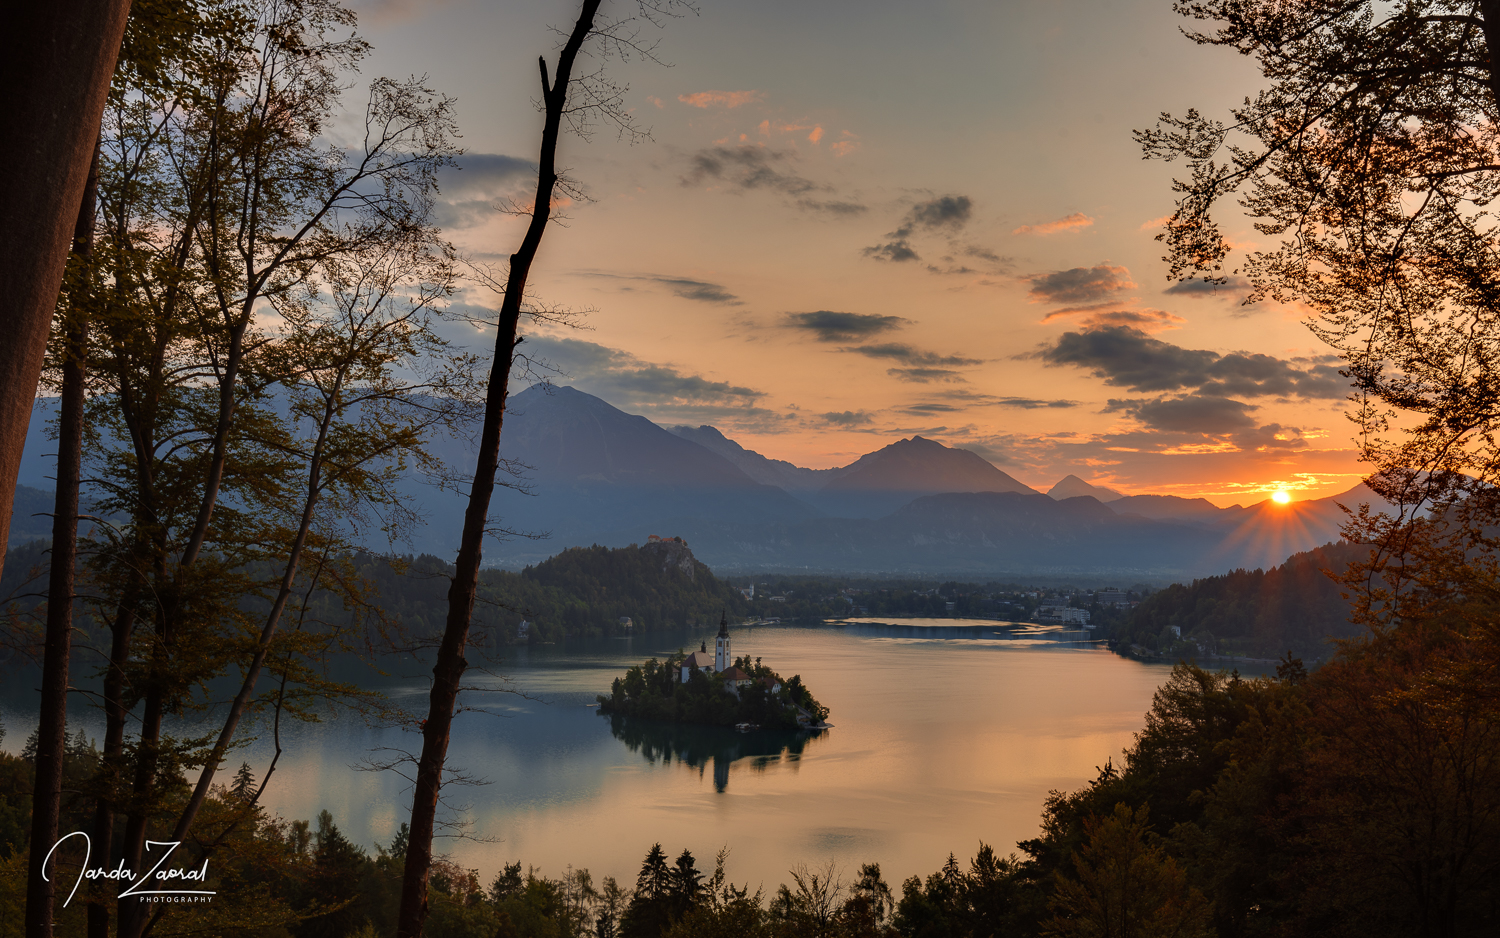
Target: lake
944,735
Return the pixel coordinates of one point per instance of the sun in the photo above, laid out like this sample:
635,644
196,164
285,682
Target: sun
1281,498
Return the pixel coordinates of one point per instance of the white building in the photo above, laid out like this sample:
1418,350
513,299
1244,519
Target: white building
1067,615
720,660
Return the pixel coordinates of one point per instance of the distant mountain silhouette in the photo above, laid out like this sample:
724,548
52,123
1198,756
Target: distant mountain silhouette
592,473
762,469
31,515
1070,486
1168,506
597,475
878,483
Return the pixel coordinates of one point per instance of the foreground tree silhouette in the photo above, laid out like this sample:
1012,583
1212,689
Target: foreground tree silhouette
576,99
1374,156
56,60
1125,886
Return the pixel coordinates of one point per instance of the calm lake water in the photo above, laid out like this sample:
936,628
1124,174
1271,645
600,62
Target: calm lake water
942,737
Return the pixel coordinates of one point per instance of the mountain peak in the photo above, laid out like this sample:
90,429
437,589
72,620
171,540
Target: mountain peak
1070,486
922,466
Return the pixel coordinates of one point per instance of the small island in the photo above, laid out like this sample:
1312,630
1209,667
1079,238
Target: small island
716,689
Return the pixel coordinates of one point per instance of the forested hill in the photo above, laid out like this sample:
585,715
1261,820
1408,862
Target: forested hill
1260,613
581,591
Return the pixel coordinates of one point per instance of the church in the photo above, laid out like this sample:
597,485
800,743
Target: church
721,661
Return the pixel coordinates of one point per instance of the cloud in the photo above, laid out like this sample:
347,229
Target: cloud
926,375
705,99
1032,403
910,355
468,191
1207,414
897,250
832,207
661,392
830,326
1080,284
684,287
1234,288
1127,357
950,212
1101,315
747,167
846,144
1212,419
848,418
1073,222
967,399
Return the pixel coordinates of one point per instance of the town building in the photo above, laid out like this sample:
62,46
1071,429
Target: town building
1067,615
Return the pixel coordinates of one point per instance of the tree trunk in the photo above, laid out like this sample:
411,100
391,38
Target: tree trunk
56,61
110,757
52,729
449,670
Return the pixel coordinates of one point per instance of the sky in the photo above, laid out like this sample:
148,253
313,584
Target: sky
854,222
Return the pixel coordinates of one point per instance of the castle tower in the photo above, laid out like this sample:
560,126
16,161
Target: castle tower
723,660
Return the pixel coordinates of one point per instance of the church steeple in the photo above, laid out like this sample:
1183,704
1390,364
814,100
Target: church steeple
722,659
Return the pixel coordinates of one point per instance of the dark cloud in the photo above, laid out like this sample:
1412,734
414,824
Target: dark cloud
832,207
1127,357
925,375
469,191
897,250
1099,315
974,250
830,326
1029,403
1197,286
911,355
927,408
1207,414
660,392
687,288
1080,284
848,418
949,211
749,167
699,290
618,375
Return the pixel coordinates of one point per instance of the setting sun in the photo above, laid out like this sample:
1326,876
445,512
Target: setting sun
1281,498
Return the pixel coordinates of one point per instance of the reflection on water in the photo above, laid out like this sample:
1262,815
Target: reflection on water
947,734
696,745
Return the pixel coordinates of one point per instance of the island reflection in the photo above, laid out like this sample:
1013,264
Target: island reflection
696,745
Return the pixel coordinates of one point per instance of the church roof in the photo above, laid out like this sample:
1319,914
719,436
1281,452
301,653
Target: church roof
701,659
723,626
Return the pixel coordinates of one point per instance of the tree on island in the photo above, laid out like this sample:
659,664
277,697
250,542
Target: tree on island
655,691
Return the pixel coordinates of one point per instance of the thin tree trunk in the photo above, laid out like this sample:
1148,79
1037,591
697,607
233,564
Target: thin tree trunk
52,729
448,672
241,700
110,757
56,61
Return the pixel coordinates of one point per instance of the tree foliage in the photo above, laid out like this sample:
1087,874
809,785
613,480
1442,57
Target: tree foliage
1373,155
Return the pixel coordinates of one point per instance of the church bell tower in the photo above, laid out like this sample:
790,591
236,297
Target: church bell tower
722,658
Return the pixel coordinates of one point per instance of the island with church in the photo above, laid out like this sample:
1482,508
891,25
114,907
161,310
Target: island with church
717,689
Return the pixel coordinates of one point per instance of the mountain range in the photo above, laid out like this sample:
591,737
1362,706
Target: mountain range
593,474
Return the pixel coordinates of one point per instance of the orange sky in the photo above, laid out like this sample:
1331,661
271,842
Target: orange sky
861,221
